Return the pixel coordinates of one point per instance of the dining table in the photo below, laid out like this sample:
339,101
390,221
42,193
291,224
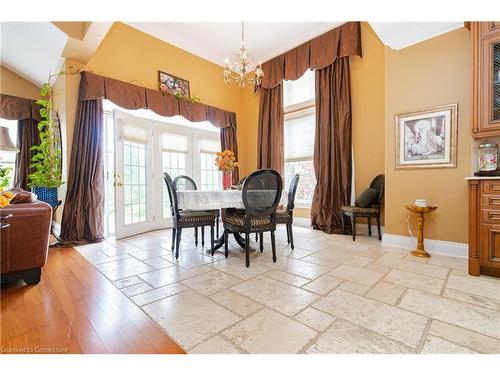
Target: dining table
202,200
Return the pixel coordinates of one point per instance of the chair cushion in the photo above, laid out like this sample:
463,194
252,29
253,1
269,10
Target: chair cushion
361,210
239,221
367,198
196,216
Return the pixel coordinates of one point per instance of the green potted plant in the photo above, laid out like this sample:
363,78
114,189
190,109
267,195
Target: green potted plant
46,161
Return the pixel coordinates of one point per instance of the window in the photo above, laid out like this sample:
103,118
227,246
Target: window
209,174
300,127
8,158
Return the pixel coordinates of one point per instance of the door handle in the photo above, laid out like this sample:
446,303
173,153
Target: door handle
117,184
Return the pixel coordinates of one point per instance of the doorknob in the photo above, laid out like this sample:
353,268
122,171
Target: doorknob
117,184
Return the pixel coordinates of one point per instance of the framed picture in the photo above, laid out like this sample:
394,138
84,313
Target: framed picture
172,84
427,138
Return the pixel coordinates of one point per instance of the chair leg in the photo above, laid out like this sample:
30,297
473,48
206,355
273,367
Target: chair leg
256,237
203,236
291,235
287,234
261,244
378,229
247,249
273,246
353,227
212,239
174,231
196,236
178,242
217,223
342,219
369,225
226,246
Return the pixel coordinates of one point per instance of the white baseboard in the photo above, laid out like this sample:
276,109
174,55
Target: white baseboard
361,228
433,247
56,227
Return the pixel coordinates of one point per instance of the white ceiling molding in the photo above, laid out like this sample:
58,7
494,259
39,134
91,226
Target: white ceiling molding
398,35
32,49
214,41
83,49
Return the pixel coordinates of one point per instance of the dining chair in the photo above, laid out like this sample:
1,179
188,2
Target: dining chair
261,194
183,182
286,216
367,205
186,218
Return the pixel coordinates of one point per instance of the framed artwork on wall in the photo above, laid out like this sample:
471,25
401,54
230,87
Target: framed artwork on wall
427,138
173,85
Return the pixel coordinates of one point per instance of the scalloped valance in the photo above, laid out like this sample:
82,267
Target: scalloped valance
130,96
15,108
317,53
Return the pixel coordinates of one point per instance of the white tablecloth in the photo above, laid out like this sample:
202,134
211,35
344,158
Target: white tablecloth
211,200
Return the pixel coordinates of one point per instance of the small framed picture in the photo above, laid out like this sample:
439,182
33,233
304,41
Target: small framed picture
172,84
427,138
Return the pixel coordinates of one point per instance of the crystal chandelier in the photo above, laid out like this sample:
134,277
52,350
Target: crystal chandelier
240,68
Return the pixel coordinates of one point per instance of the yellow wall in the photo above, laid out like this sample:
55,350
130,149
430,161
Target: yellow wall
431,73
15,85
367,80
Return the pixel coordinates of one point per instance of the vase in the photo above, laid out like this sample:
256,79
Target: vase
227,179
47,195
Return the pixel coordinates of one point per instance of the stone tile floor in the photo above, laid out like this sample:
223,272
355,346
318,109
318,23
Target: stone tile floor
329,295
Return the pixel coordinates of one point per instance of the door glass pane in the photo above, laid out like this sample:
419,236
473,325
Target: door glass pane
134,181
174,163
210,175
495,105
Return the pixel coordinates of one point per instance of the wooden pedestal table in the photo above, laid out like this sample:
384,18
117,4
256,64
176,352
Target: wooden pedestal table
420,211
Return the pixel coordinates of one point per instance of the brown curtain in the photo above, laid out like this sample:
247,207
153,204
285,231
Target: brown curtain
332,146
27,136
83,213
228,141
270,141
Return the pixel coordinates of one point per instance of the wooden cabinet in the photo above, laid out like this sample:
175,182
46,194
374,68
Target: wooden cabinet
484,227
486,79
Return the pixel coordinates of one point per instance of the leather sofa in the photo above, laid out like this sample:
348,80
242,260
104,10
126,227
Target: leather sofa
25,243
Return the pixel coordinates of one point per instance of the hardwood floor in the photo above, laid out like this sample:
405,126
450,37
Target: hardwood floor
76,310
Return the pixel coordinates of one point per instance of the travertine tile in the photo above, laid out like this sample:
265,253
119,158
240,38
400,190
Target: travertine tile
354,288
166,276
415,281
464,337
264,332
201,269
211,282
481,286
345,338
472,299
356,274
235,302
393,261
106,259
157,262
302,268
120,269
386,292
314,318
237,268
282,297
387,320
150,253
378,268
457,263
475,318
323,284
190,259
436,345
216,345
122,283
321,262
287,278
343,257
157,294
135,289
190,318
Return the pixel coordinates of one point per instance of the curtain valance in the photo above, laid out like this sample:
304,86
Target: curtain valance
130,96
317,53
15,108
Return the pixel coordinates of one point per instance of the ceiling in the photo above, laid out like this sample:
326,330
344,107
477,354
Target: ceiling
216,40
33,49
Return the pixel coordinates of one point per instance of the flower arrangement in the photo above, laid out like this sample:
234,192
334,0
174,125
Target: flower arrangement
226,161
5,198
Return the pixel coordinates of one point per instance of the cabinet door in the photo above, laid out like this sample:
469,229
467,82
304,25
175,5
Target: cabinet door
490,27
490,91
490,245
